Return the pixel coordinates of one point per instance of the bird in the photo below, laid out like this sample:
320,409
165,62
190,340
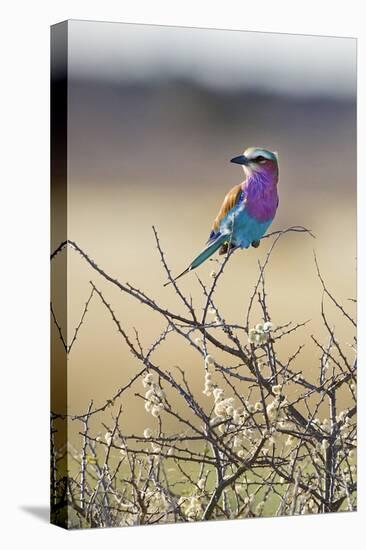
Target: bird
248,208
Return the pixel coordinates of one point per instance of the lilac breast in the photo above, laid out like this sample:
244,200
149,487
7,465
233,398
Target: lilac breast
261,195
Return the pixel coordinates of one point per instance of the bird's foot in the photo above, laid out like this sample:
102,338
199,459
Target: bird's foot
256,244
224,248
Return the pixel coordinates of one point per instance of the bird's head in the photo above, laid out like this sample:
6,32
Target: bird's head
256,159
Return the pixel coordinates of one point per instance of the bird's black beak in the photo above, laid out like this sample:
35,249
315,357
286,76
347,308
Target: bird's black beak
241,159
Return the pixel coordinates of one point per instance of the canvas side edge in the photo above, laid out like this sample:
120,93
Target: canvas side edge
59,478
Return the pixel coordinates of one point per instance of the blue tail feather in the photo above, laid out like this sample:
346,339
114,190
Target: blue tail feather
203,256
208,251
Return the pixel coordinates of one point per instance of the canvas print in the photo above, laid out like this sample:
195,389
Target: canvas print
203,263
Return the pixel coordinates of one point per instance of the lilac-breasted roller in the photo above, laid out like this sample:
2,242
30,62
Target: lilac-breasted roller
248,208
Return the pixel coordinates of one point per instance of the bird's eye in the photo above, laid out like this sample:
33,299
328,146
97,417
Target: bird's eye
260,159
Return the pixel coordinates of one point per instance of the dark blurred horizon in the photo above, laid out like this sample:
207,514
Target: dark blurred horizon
187,115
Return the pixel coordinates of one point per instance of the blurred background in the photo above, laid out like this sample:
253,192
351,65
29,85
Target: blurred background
155,114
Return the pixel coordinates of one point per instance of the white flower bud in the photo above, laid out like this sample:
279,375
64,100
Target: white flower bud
218,394
148,380
155,411
108,438
201,484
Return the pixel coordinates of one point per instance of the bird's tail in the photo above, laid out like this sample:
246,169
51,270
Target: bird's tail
203,256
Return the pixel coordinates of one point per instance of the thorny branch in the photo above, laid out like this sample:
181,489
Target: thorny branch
265,438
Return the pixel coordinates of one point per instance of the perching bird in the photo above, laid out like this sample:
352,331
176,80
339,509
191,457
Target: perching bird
248,208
